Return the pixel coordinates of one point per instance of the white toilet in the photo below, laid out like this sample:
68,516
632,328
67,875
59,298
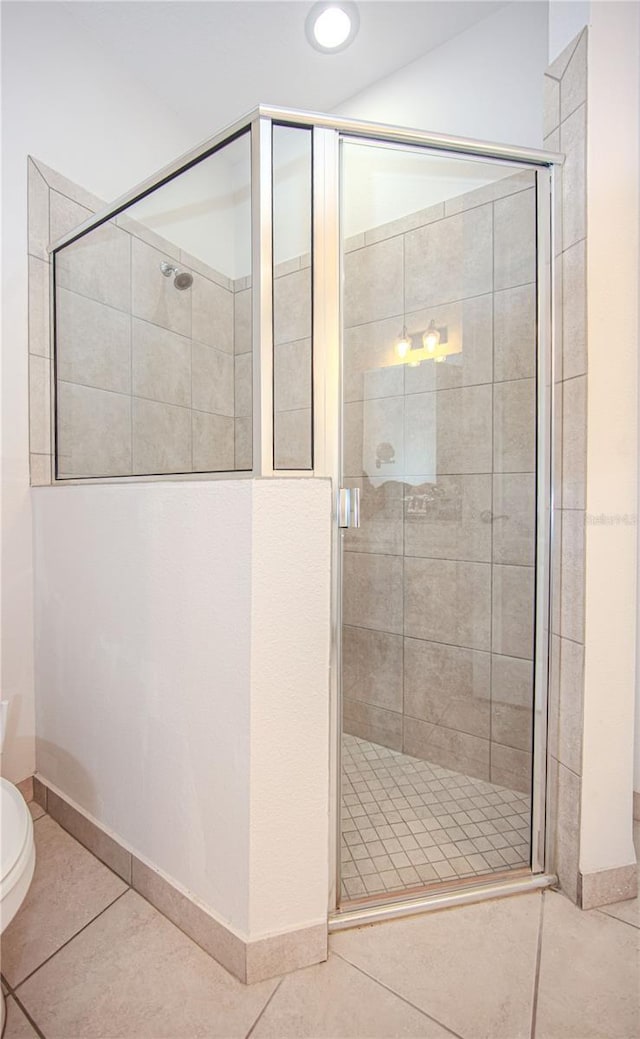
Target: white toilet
17,857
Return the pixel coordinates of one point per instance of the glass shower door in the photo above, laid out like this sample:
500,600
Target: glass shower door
439,266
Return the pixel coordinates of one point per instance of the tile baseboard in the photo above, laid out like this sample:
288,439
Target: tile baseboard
607,886
249,961
636,804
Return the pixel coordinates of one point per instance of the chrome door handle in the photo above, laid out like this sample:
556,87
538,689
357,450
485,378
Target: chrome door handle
349,507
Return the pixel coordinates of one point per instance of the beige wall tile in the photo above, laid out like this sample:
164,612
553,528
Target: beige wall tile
511,681
373,283
372,667
448,686
39,334
565,797
98,265
381,518
57,182
243,385
551,104
514,261
512,613
372,723
161,363
64,216
404,224
372,591
94,432
292,307
212,380
464,430
449,260
511,768
447,747
574,211
514,518
374,438
292,376
449,517
293,439
469,329
40,470
514,347
370,368
448,601
161,438
39,405
243,440
574,311
569,730
212,314
574,442
154,297
213,443
573,85
512,727
242,321
93,343
38,212
572,575
514,429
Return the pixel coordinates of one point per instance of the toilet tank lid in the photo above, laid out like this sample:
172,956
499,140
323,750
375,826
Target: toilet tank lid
14,826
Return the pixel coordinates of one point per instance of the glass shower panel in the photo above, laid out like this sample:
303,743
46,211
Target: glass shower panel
292,288
439,437
153,330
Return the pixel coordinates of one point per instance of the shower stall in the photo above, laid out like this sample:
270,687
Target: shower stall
311,297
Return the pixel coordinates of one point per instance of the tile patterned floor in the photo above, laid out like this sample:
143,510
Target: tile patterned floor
87,958
407,823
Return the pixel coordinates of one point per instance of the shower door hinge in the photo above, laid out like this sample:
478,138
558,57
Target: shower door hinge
349,507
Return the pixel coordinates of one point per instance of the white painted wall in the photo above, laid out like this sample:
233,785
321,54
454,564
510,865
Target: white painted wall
182,654
65,103
484,83
613,212
567,19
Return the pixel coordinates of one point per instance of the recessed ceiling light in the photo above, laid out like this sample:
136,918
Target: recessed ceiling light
331,27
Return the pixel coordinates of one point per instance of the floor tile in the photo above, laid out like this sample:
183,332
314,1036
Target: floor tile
471,968
70,887
36,811
17,1026
589,973
334,999
132,973
386,793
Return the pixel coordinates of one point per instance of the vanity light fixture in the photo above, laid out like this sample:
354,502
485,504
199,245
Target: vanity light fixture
431,337
403,344
330,27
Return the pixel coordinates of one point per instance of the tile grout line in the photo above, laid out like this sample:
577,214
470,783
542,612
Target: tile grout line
28,1016
73,936
536,976
393,992
259,1017
618,919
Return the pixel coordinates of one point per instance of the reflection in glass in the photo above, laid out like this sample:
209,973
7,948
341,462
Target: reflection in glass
153,330
292,287
439,365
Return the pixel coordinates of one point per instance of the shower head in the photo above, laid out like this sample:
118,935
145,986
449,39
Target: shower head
182,279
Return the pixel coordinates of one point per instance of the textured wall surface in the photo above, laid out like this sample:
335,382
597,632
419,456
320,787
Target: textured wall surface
438,581
182,644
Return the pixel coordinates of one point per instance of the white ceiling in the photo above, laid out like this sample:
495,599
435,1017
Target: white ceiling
213,60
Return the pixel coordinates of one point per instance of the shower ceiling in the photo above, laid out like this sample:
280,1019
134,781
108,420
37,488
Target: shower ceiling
229,56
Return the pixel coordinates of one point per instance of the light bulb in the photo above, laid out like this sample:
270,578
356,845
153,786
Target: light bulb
403,346
431,338
332,27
